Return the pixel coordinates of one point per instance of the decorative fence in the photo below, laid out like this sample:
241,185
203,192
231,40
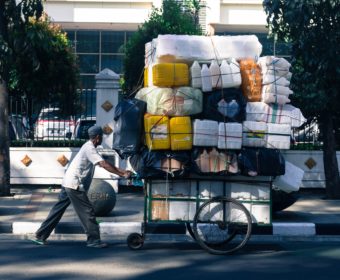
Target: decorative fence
40,125
37,124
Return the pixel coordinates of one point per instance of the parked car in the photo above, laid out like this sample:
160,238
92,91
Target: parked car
81,127
51,126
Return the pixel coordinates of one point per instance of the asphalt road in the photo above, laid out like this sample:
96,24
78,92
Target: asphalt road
67,259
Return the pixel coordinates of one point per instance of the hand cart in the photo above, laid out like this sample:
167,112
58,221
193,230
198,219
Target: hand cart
218,211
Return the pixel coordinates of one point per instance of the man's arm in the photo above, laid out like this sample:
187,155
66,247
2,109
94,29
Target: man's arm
120,172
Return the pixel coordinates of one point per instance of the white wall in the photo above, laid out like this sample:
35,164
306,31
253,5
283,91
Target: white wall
45,169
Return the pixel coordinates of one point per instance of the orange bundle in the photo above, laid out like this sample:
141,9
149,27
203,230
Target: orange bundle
251,80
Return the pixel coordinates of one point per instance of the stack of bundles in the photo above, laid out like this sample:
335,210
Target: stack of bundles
275,79
202,109
268,123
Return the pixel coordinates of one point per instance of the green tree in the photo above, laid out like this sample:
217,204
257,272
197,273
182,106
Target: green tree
171,18
312,27
35,61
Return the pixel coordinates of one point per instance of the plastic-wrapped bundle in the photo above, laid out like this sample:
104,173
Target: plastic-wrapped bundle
251,80
128,129
213,162
273,113
276,89
277,94
280,99
275,80
161,164
254,134
261,161
278,136
182,101
188,48
205,133
229,136
272,62
227,105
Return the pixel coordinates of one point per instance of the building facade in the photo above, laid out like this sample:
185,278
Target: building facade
99,29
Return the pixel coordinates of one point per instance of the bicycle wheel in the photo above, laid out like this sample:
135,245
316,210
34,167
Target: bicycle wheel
222,225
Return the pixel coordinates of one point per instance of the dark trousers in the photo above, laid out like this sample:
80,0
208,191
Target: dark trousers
82,207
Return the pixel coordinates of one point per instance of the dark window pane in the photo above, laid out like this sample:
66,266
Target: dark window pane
113,62
88,41
89,63
129,34
112,42
87,82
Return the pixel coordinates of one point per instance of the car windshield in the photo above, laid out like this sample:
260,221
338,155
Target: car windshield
52,115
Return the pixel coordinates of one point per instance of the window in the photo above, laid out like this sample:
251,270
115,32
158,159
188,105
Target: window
97,50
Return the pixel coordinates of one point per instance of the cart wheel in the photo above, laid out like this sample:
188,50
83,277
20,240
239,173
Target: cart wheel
222,225
135,241
189,229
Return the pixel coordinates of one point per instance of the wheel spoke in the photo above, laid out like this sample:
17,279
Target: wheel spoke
222,225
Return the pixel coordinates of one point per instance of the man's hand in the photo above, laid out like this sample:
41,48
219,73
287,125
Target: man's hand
127,174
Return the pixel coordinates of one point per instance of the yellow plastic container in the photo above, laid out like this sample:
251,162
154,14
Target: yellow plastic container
180,133
146,73
170,74
157,132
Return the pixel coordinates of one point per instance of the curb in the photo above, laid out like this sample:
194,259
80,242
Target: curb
125,228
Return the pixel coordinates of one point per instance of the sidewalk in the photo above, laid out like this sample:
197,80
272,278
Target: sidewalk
21,214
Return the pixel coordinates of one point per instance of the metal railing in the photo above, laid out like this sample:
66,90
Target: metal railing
32,123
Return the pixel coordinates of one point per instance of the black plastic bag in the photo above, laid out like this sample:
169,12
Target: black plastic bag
227,105
157,164
129,128
261,161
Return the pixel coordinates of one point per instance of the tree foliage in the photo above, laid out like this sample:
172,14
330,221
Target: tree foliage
40,63
171,18
35,61
312,27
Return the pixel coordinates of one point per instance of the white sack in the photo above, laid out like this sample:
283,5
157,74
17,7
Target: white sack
291,180
188,48
276,89
270,113
181,101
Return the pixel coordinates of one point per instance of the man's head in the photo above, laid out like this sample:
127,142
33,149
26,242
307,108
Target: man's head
95,134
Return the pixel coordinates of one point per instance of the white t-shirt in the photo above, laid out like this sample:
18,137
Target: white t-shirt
80,171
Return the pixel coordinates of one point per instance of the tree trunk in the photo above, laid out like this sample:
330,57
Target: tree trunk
329,158
4,142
